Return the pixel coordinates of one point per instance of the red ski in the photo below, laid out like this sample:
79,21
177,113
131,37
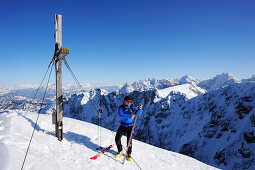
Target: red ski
102,152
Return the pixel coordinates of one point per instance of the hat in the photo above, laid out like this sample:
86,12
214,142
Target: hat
127,98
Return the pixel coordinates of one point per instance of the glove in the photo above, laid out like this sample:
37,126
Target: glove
132,116
140,107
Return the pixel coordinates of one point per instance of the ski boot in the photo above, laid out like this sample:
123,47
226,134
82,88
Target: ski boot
119,154
129,158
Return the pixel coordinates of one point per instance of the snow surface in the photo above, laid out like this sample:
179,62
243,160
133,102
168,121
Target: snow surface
74,152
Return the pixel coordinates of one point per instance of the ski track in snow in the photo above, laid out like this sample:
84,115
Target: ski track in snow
74,152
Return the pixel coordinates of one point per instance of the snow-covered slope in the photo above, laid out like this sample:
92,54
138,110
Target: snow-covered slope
218,81
187,90
74,152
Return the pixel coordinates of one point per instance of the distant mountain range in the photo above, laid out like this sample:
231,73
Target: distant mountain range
216,82
20,97
13,97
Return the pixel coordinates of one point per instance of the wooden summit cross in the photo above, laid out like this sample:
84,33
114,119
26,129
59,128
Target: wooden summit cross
59,55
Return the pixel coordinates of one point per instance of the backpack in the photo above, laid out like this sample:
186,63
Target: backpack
131,107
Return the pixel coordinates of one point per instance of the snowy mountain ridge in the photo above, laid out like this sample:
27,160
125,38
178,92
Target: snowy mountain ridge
218,81
148,84
188,90
188,79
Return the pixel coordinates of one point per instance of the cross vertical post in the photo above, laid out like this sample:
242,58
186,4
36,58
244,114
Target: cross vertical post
59,55
58,68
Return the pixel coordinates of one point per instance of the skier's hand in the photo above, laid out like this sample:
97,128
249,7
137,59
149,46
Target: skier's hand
140,107
132,116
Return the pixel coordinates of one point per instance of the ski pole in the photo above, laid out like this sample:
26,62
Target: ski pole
130,137
99,128
100,119
97,132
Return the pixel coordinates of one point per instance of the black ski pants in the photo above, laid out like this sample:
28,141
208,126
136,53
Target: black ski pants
119,134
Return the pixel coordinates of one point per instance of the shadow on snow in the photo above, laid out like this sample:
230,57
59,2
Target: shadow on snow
70,136
86,141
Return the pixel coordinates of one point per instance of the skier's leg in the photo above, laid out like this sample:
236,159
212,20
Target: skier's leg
129,131
119,134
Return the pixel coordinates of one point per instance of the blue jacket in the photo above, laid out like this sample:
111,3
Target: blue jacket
125,113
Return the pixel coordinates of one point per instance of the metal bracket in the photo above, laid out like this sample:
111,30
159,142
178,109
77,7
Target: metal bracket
63,52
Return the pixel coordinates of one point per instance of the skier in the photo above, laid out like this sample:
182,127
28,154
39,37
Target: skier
126,113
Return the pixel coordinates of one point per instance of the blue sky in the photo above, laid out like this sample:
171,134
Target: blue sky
117,41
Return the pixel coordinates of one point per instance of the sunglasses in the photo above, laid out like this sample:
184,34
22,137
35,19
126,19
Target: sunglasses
128,101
